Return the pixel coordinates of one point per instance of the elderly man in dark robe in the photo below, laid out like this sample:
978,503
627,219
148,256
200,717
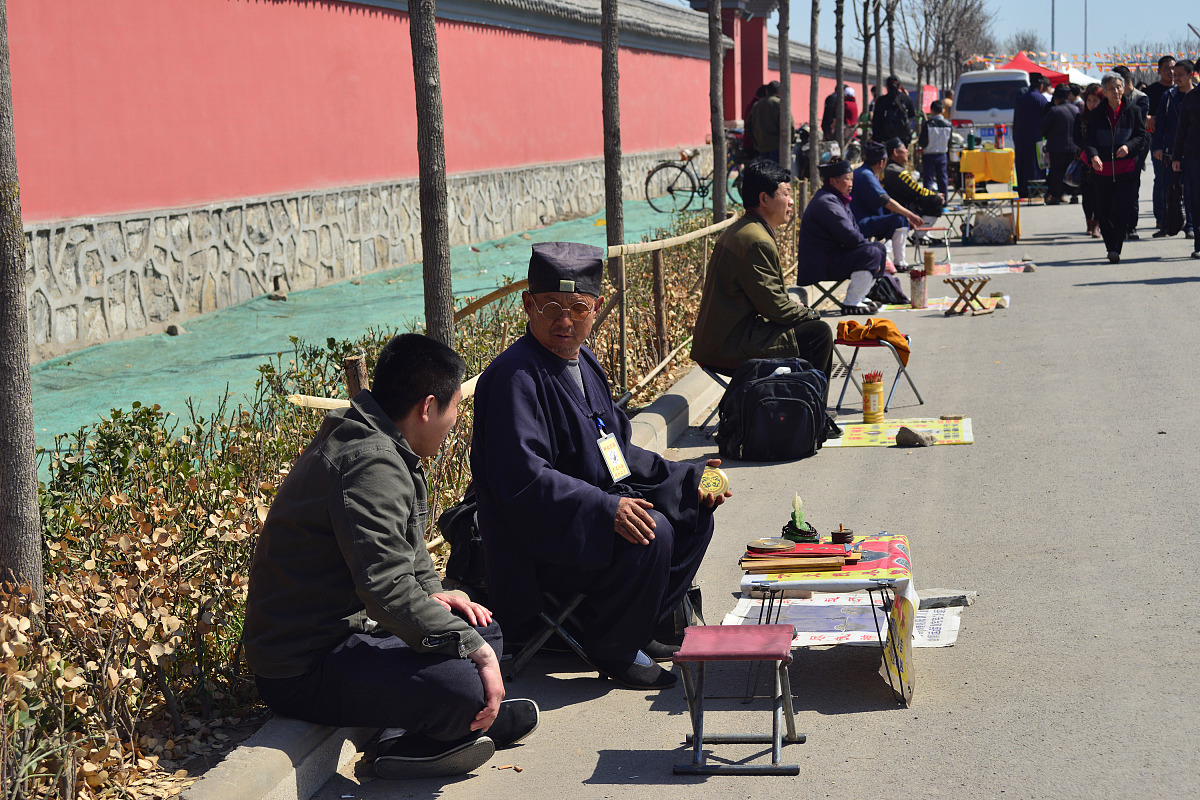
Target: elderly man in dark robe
831,247
566,502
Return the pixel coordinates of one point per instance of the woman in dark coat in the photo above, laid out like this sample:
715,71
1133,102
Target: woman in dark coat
1116,133
1093,96
832,248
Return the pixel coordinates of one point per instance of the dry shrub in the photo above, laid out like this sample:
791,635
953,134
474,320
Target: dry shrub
132,666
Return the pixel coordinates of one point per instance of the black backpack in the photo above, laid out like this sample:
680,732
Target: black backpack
773,410
460,527
886,290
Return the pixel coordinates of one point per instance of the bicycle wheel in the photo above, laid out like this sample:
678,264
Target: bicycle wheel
670,187
733,184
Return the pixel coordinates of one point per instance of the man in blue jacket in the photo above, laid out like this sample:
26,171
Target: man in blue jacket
1027,124
1162,141
878,215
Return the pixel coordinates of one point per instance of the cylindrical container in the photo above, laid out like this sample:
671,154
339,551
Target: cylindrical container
872,402
969,185
970,141
1001,130
916,281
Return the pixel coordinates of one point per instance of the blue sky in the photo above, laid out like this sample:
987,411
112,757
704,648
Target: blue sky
1110,22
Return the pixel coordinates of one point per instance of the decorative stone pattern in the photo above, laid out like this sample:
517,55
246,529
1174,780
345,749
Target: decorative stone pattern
94,280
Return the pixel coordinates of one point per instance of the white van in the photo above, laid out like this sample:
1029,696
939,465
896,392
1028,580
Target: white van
985,99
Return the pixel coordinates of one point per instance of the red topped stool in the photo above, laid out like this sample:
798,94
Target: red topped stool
704,643
857,344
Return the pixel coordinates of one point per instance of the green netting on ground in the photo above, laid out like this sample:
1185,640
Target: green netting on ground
225,348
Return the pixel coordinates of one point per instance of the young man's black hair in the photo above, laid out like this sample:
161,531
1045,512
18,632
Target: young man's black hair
1164,60
762,176
410,368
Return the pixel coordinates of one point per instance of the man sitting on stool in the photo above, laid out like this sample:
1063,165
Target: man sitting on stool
567,503
831,247
746,311
902,187
877,214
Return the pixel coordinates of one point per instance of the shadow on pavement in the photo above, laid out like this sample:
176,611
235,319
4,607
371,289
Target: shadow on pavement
1147,281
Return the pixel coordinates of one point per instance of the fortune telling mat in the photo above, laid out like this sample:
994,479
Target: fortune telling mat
883,434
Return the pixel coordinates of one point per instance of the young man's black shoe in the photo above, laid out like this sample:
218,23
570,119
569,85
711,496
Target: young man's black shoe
516,720
415,755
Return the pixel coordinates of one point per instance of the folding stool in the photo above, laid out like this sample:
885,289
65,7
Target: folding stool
722,379
702,644
553,616
860,343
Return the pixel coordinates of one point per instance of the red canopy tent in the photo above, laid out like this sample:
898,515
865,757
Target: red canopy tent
1022,62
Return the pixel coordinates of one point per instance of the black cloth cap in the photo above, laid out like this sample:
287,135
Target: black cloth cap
893,143
835,168
873,153
566,267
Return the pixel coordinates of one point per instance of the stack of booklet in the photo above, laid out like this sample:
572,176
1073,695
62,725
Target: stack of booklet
783,555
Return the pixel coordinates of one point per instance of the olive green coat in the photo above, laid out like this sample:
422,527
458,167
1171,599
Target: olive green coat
746,311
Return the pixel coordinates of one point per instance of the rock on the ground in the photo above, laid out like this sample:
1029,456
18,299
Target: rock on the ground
281,296
907,437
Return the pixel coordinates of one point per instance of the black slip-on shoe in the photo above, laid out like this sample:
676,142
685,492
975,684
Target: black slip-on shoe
632,675
1114,257
1196,254
412,759
660,651
517,719
1132,236
1159,234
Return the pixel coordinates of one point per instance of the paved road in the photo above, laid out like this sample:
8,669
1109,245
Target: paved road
1071,516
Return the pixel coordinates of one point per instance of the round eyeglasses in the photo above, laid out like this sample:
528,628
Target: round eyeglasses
553,311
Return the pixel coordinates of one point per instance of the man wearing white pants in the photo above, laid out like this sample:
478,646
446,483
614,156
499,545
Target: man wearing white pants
877,214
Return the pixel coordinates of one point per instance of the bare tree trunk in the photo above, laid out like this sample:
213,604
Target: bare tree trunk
785,85
431,160
716,104
878,50
839,9
867,32
891,25
20,525
610,81
814,89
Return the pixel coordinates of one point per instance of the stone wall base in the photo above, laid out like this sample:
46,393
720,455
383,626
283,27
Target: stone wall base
94,280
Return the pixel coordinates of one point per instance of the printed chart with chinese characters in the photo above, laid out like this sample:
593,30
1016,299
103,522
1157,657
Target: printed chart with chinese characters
885,563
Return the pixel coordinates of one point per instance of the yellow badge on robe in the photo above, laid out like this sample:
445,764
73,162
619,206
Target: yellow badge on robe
613,457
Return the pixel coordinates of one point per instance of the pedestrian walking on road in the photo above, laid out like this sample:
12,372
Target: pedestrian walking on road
1093,96
1116,133
1186,155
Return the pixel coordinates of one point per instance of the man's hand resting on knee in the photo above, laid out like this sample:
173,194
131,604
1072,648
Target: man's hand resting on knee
634,523
493,686
473,613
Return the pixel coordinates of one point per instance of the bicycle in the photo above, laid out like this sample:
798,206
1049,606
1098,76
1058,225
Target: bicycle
671,185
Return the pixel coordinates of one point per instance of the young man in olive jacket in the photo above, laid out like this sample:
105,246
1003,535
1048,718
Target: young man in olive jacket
346,620
746,311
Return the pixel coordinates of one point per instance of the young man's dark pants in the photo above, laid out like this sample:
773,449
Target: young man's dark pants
881,226
375,680
1191,191
1164,176
1113,200
633,598
1058,170
1132,209
936,171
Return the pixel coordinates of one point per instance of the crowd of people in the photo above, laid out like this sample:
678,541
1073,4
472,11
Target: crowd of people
1112,128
